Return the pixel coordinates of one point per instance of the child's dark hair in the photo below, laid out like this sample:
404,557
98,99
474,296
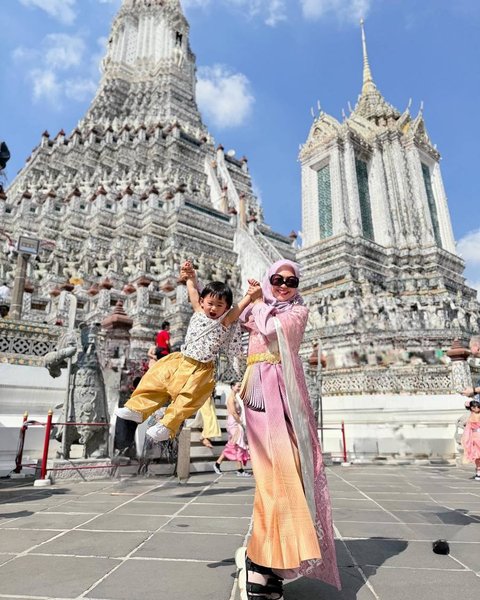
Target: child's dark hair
220,290
475,401
165,324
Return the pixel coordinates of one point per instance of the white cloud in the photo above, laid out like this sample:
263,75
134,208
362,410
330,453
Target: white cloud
344,10
45,85
271,11
62,10
63,51
224,97
469,249
60,52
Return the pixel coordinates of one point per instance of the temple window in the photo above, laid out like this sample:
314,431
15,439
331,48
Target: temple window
364,197
324,202
432,206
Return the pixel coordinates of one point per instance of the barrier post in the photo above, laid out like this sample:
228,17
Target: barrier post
17,472
43,481
344,443
183,460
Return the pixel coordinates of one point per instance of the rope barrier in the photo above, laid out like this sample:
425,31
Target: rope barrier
48,429
344,442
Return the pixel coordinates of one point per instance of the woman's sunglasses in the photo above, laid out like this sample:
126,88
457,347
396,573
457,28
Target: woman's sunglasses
290,282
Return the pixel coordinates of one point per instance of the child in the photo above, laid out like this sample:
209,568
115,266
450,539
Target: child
471,435
187,377
236,447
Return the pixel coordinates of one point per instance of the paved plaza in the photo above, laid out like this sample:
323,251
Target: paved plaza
154,539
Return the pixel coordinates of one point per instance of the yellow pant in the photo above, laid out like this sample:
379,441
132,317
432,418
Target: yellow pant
211,428
184,382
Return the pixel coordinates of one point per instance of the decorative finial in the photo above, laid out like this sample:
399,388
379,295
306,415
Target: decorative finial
312,111
368,84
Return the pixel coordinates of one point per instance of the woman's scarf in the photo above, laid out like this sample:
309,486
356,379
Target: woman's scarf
268,297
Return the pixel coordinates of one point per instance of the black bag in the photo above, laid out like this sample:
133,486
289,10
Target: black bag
4,155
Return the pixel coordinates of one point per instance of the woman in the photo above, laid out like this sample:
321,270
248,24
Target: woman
236,448
292,524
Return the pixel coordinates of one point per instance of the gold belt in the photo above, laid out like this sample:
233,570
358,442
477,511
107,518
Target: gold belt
269,357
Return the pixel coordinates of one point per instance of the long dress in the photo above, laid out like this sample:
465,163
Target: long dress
292,519
236,448
471,441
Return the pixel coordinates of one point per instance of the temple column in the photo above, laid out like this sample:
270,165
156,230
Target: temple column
420,201
444,219
339,222
383,224
353,199
310,216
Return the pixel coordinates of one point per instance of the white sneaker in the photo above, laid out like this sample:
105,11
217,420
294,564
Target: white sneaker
217,469
243,474
129,415
159,433
477,477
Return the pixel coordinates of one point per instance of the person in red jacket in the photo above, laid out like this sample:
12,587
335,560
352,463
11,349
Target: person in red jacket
162,341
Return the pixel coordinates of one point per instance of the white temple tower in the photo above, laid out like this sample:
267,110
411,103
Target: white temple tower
382,275
136,188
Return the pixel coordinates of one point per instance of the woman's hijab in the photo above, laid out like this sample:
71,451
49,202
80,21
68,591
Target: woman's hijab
268,296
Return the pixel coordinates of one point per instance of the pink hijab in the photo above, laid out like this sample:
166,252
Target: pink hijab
268,296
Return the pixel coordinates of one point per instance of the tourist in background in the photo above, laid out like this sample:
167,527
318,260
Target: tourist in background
4,292
292,531
162,340
474,346
236,448
152,356
207,418
471,435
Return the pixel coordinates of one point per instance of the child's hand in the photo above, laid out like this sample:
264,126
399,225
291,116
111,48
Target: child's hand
254,290
187,271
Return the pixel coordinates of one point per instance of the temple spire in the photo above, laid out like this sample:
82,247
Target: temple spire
371,104
368,84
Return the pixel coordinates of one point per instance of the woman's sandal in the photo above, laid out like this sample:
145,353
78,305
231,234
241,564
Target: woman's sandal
272,590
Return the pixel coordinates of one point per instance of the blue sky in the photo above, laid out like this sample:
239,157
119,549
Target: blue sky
262,65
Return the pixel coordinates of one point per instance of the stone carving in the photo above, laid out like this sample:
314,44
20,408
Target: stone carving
86,401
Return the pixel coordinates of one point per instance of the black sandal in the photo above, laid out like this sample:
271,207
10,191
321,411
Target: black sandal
272,590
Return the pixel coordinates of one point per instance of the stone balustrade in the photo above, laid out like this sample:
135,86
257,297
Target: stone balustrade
25,343
411,379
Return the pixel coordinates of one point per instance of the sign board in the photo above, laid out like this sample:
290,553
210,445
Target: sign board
28,245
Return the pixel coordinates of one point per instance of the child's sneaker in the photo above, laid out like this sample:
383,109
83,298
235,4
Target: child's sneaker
217,469
477,477
242,473
159,433
129,415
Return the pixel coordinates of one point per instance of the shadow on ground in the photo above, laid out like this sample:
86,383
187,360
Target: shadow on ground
352,556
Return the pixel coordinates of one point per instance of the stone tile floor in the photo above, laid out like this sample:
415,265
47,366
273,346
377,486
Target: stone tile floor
155,539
